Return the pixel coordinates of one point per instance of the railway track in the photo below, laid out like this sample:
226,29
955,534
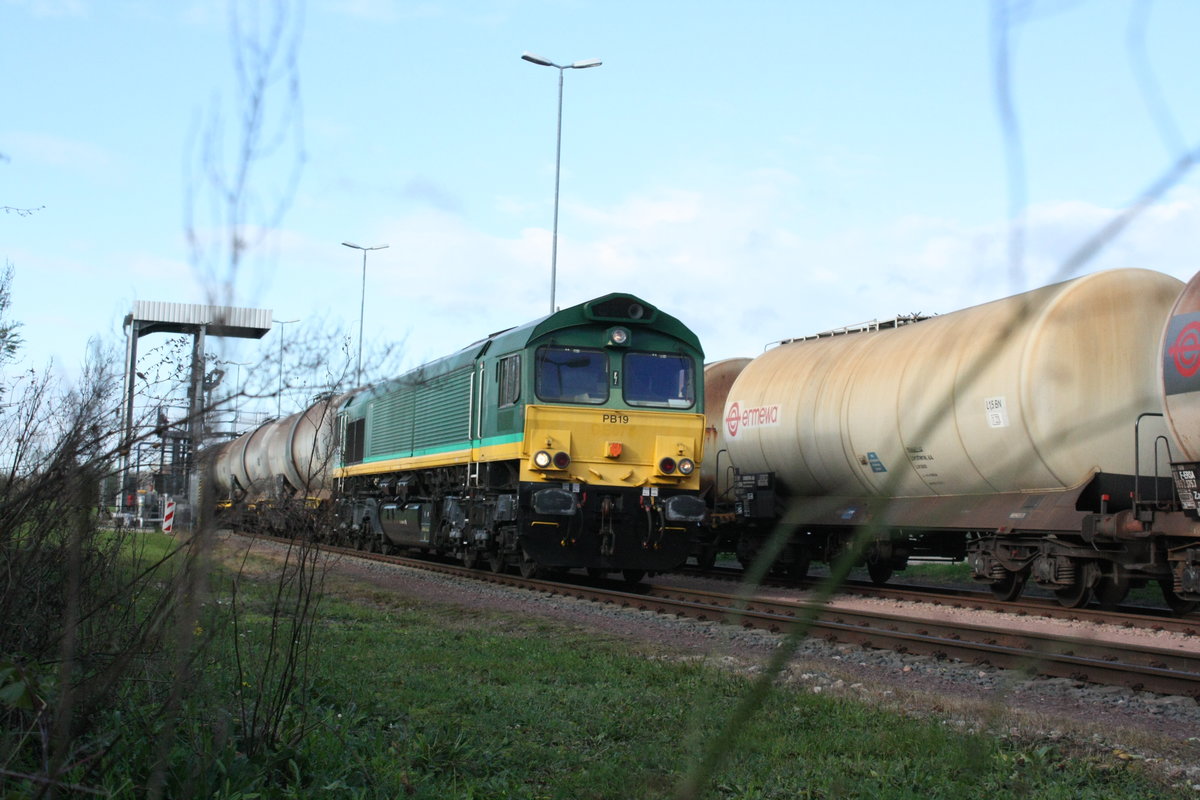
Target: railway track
1127,616
1132,665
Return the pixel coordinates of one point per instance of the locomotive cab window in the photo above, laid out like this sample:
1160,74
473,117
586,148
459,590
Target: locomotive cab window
508,375
664,380
571,375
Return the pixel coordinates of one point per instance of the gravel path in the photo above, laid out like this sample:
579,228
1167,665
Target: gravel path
1105,722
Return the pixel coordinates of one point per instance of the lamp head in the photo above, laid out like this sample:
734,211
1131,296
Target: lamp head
532,59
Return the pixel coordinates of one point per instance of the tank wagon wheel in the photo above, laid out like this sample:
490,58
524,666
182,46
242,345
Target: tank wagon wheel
880,571
797,570
633,575
1010,588
1177,604
1076,595
1111,589
1079,592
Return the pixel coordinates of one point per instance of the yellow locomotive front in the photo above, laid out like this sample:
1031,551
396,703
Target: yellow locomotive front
611,447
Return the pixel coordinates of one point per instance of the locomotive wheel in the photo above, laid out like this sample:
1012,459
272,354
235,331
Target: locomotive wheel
529,568
470,558
1010,588
1177,604
496,562
597,572
707,557
1111,589
633,575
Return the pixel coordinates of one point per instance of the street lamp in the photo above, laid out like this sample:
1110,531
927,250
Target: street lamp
585,64
362,304
279,396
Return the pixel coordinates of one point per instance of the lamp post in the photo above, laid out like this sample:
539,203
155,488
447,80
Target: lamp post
279,395
543,62
362,304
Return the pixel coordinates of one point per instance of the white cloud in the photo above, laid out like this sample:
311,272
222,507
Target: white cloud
741,266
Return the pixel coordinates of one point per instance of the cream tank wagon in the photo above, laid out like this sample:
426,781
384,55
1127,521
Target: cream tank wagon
1049,437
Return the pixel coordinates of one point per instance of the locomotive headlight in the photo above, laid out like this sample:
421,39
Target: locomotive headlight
561,460
541,459
618,336
686,466
667,466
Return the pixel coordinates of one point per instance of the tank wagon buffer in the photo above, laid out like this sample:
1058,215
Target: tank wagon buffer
573,441
1051,437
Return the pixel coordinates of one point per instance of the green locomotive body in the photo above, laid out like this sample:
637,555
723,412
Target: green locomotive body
570,442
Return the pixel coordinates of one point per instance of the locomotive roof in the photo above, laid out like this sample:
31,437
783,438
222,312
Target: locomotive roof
616,309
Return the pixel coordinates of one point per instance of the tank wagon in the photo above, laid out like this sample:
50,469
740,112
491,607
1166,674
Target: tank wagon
1048,437
274,474
573,441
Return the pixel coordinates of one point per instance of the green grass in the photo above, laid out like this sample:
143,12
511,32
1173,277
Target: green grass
440,703
937,572
406,699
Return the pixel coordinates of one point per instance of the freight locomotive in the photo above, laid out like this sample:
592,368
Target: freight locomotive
573,441
1049,437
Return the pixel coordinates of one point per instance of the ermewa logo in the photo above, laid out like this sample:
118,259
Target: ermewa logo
1186,350
757,417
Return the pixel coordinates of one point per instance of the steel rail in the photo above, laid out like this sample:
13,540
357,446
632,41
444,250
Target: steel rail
1044,607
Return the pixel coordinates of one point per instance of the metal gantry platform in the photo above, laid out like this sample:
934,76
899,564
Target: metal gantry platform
199,322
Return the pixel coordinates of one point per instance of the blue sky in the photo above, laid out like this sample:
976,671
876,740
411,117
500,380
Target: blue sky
761,170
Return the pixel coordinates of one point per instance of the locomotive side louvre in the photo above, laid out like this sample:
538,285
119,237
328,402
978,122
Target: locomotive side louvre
1004,433
569,442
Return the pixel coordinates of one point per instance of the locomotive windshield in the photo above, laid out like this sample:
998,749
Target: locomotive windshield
571,375
659,379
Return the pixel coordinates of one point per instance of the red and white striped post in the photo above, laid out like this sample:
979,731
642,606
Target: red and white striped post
168,516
